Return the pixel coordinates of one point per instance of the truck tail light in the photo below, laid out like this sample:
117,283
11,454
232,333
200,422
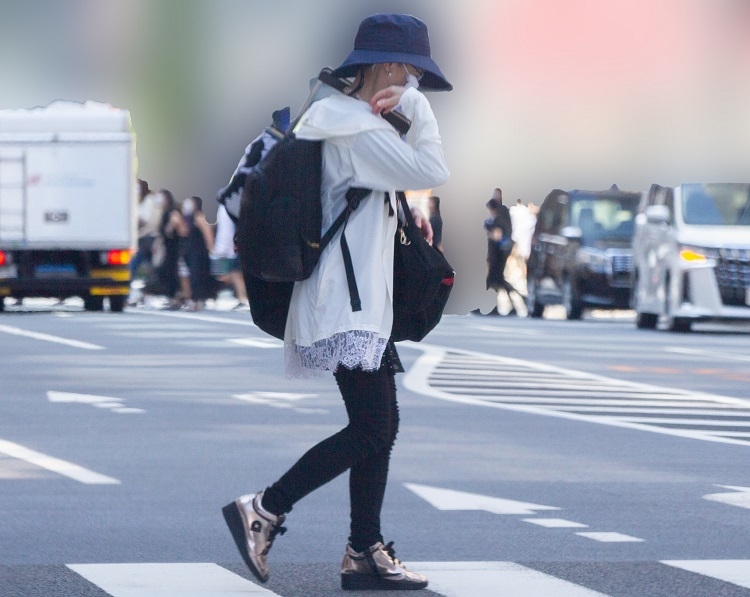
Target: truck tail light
3,258
118,257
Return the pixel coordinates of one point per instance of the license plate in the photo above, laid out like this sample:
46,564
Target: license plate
55,271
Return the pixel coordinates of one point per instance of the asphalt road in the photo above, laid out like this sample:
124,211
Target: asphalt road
535,457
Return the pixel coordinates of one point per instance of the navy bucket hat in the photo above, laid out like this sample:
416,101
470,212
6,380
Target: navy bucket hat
394,38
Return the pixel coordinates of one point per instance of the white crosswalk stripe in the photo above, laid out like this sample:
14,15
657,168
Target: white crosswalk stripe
736,572
470,579
448,579
167,580
483,379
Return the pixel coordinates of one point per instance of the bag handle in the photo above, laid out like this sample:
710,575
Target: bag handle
408,218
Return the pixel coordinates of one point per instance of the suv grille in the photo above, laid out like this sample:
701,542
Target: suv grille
622,264
733,276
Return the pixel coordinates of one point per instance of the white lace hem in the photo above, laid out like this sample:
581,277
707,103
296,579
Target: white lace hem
352,349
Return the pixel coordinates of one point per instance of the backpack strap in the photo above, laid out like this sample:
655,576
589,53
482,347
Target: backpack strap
354,197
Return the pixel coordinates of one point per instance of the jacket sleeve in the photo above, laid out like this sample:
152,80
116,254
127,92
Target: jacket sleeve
383,161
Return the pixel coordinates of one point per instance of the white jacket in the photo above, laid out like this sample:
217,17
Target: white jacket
360,149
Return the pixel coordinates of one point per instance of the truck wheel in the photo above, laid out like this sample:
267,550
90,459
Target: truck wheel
646,321
93,303
678,324
116,304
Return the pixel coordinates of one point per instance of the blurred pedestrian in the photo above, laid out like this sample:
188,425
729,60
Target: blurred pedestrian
499,230
523,221
225,264
199,242
436,221
149,216
323,331
166,251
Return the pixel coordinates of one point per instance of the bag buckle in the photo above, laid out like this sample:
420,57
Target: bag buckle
404,239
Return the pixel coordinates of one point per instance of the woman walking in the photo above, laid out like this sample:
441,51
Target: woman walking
172,227
199,243
391,57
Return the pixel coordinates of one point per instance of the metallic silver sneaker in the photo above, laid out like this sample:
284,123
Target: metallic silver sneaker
377,569
254,530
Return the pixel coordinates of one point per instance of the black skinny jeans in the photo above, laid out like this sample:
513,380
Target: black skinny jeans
363,446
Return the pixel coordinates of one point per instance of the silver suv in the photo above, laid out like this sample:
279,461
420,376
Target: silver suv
691,253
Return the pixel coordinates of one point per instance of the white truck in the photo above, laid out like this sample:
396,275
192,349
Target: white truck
68,203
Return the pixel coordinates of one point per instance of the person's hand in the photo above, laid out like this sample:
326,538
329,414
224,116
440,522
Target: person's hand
496,234
386,99
422,223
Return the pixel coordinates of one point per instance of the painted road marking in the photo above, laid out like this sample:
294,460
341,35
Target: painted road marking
721,356
481,379
258,342
280,400
449,579
48,338
114,404
13,468
167,580
736,572
506,330
471,579
556,523
450,499
196,317
610,537
739,496
56,465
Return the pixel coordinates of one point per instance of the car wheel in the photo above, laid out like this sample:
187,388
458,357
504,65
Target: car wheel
571,301
116,304
674,324
93,303
643,321
535,308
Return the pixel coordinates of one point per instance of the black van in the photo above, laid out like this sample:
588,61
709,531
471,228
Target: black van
581,254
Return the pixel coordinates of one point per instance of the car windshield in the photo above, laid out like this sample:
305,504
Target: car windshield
604,217
716,204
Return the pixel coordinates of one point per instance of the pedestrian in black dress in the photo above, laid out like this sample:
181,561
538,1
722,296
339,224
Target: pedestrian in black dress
199,242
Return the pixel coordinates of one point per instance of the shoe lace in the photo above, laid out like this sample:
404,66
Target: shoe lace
388,548
275,529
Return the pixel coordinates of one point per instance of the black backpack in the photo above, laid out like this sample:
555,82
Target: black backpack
274,199
279,217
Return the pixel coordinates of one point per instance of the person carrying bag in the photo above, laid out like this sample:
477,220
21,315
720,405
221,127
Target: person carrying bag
391,57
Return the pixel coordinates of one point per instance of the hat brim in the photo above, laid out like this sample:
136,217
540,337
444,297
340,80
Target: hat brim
432,79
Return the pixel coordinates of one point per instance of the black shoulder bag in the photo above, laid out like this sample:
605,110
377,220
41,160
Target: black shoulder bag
422,281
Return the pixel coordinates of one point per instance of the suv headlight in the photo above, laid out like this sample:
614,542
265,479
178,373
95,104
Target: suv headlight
595,260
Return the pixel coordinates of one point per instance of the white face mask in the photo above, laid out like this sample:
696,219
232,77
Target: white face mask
411,80
187,208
